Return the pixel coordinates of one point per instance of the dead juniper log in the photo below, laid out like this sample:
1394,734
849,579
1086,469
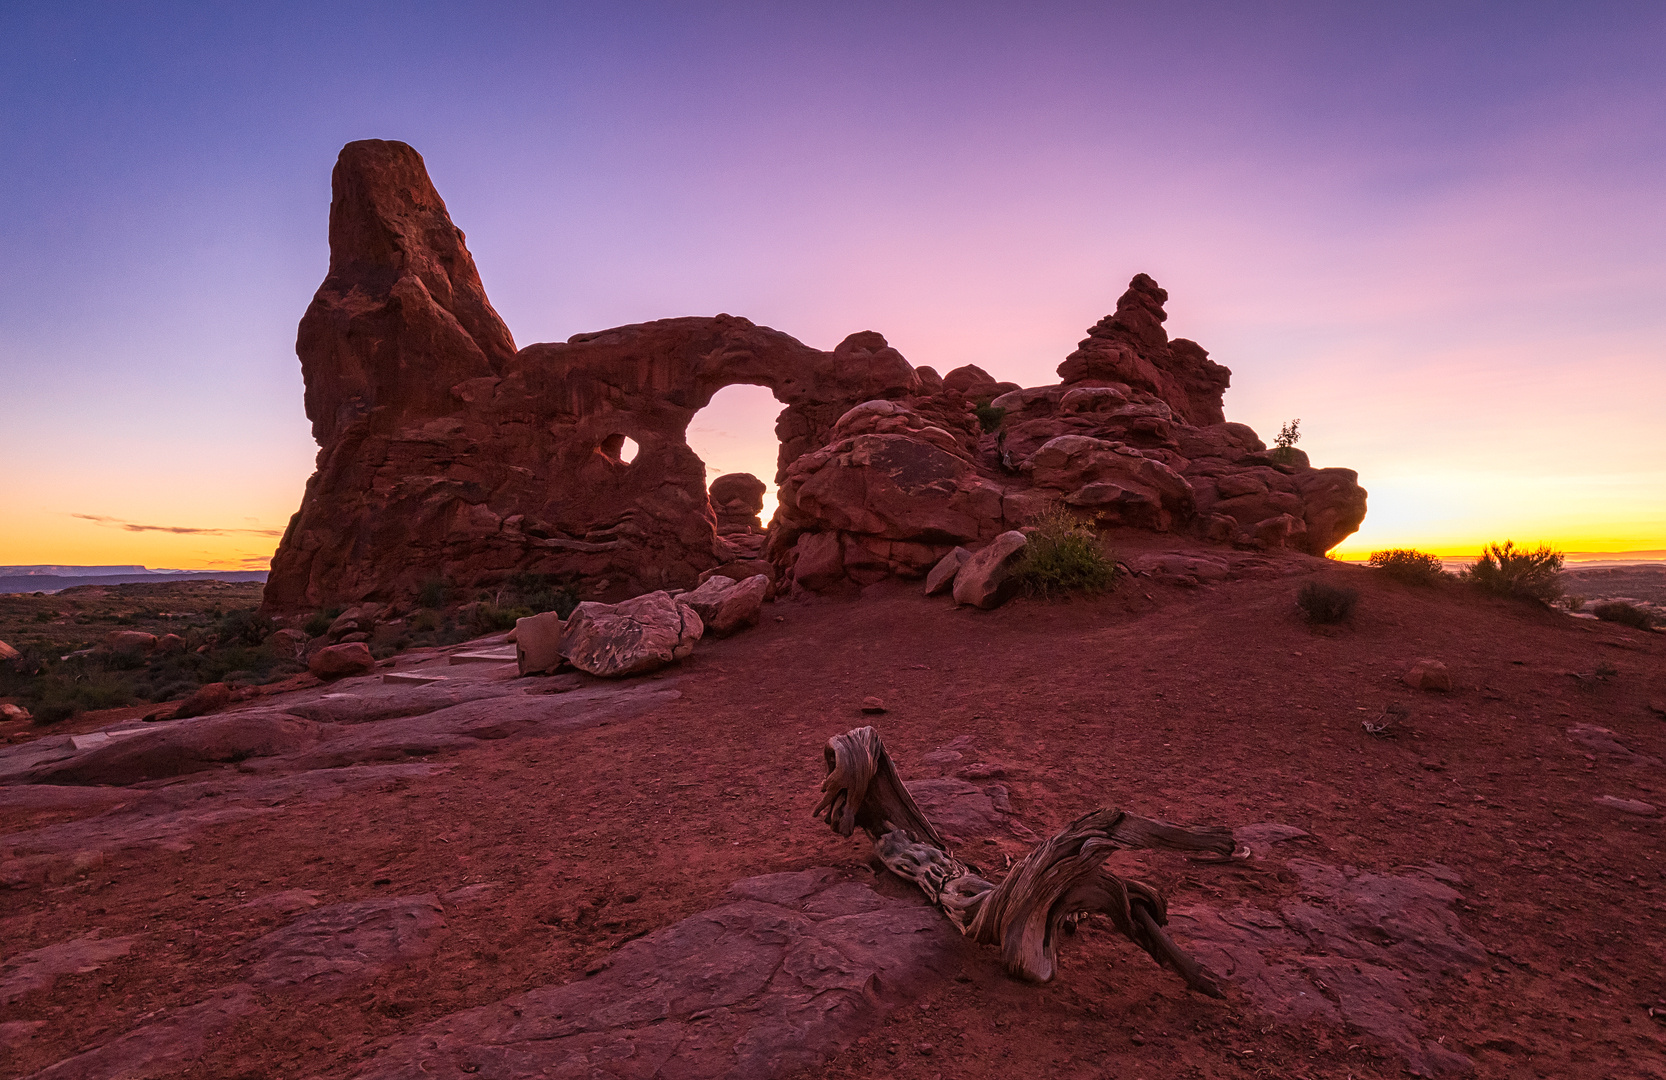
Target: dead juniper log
1056,883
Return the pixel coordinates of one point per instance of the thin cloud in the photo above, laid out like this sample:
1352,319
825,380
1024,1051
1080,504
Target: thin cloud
184,530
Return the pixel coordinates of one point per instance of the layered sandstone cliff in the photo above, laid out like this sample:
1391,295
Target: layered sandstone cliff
446,454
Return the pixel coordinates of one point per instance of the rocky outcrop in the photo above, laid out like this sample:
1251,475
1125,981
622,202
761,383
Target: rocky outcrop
447,455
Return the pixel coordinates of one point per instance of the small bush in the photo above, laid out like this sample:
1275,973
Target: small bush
1326,603
1618,611
1409,566
1063,556
1506,570
434,594
1284,449
246,627
989,416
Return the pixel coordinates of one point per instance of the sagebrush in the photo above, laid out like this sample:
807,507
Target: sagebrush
1506,570
1063,556
1618,611
1323,603
1409,566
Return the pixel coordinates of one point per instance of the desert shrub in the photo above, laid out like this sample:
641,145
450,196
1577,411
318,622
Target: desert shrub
1506,570
434,594
1323,603
1284,448
1618,611
245,627
1063,556
1409,566
989,416
488,616
544,592
320,621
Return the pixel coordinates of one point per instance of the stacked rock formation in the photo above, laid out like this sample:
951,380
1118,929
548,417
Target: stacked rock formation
448,454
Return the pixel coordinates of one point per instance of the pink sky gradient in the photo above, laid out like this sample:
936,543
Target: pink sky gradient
1436,234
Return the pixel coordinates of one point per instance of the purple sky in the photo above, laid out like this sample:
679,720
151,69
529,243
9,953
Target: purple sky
1434,232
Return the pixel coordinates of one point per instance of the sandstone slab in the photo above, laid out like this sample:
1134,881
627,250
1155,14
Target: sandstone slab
793,968
538,643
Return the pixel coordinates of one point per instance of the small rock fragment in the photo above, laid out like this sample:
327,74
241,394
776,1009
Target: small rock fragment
872,706
1428,675
1626,806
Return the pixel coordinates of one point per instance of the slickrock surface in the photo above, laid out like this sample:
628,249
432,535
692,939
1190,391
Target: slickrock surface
449,455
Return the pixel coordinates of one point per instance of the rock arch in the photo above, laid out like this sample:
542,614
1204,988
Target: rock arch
447,453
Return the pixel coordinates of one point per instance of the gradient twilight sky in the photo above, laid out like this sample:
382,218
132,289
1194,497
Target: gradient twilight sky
1435,232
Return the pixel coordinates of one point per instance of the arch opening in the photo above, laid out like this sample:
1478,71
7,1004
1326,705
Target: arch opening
621,448
735,433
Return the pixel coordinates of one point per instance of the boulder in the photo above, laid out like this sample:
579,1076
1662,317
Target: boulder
538,643
13,713
941,578
129,641
173,644
1428,675
740,570
984,579
7,652
339,661
290,643
725,605
208,698
630,637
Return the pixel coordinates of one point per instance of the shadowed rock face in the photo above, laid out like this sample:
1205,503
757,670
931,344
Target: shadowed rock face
448,454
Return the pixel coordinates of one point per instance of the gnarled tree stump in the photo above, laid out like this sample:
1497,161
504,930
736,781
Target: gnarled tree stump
1059,881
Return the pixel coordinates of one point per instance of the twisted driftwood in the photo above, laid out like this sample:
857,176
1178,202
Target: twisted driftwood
1057,883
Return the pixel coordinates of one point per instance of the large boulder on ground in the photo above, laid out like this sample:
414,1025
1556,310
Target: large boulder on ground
538,643
630,637
10,713
129,641
726,605
340,661
985,578
7,652
208,698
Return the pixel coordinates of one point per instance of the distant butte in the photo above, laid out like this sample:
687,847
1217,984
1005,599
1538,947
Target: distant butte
448,454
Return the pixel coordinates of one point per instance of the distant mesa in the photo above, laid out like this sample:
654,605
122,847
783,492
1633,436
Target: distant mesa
51,579
449,454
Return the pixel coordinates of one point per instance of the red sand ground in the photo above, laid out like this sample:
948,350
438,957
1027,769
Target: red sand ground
1209,705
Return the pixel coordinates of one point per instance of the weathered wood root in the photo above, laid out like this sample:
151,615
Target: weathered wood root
1058,882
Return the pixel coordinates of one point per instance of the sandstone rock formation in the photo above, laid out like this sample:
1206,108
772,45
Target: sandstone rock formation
448,455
